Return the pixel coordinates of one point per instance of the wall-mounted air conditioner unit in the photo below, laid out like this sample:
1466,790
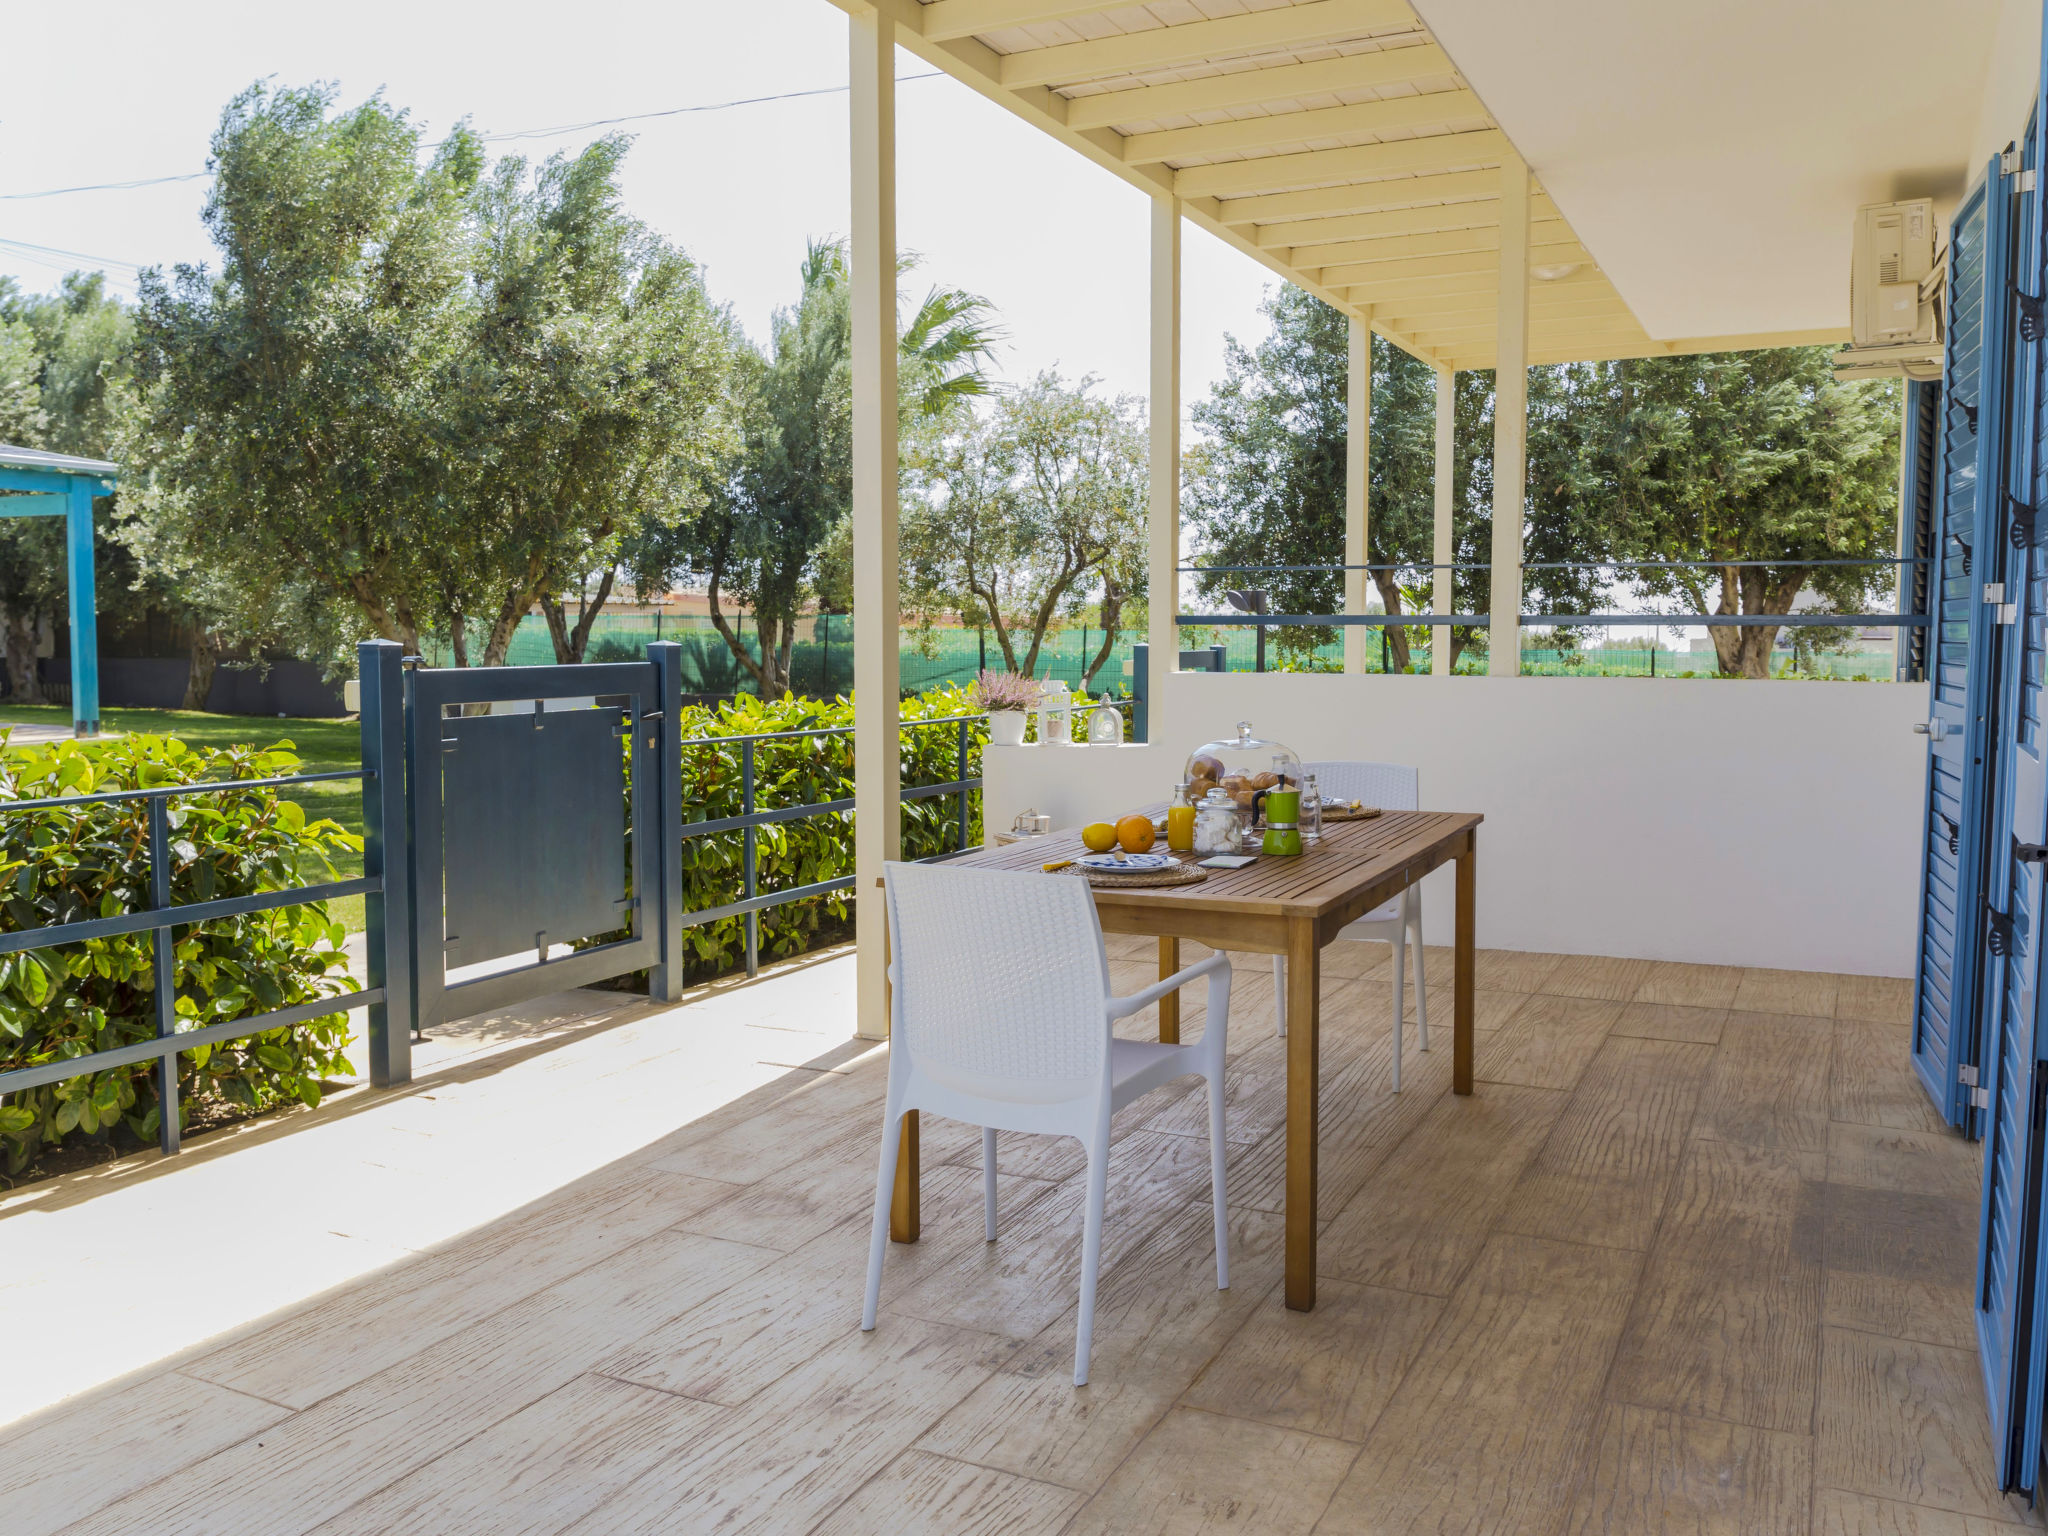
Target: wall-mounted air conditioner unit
1894,293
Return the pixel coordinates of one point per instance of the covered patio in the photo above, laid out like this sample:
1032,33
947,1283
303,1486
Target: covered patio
1696,1256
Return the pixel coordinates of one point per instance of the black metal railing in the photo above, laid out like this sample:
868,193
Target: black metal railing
160,921
751,819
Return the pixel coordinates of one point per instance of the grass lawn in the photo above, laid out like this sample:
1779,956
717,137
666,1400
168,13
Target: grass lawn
323,745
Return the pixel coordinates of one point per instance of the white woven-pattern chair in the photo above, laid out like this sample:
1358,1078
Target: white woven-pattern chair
1001,1016
1399,922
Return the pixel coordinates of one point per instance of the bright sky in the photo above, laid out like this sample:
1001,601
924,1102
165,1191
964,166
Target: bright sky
990,203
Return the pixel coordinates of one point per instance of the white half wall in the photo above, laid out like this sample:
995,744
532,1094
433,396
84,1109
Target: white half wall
1727,823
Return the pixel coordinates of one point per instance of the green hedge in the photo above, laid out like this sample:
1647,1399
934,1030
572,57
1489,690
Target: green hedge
804,771
73,863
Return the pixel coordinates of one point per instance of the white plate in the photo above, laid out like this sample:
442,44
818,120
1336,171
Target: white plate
1133,862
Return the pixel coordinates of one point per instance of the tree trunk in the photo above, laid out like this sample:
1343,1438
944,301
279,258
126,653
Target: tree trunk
458,640
1397,636
734,641
1112,621
517,601
199,676
579,639
24,680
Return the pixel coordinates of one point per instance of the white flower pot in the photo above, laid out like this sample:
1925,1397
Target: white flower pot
1006,727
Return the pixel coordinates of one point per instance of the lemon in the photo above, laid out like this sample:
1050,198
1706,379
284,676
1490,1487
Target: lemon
1098,836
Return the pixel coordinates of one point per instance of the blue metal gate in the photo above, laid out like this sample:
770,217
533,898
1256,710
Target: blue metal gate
1945,991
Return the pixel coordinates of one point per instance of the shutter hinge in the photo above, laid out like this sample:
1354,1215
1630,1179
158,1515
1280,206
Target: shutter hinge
2008,613
1980,1098
2025,183
1966,1074
1998,932
1994,592
2009,160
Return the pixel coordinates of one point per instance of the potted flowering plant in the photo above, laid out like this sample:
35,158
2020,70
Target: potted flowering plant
1008,698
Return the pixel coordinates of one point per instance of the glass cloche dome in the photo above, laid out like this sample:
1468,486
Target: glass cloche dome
1242,765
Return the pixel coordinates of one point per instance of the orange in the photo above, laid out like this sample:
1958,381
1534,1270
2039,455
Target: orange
1135,833
1098,836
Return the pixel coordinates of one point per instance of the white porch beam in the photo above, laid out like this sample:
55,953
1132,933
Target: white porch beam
1442,242
1353,197
1390,223
1470,309
1162,588
1445,545
1357,480
1252,87
877,834
1474,263
1459,285
1321,21
1361,162
948,19
1510,421
1439,109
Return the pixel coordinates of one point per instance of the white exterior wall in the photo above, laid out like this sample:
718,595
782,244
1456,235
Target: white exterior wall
1765,824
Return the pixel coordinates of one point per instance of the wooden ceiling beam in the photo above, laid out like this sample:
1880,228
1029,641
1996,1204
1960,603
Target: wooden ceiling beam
1438,109
1361,162
1452,285
1256,87
1470,309
1254,32
949,19
1365,274
1481,213
1444,242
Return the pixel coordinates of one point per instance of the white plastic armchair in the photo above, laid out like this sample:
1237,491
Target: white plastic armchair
1397,922
1001,1016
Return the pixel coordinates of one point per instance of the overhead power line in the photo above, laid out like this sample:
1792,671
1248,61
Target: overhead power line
488,138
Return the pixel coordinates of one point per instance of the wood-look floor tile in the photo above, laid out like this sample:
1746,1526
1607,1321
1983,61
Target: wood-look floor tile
1602,1174
1158,1319
1769,1086
539,1470
919,1494
1689,986
1877,999
63,1464
1196,1474
802,1202
1490,1010
1918,1162
1802,992
1548,1042
338,1341
1353,958
1327,1372
1020,1283
1856,1514
1672,1021
1902,1420
1873,1081
1513,970
1428,1208
1902,1264
1597,976
1254,1098
1362,1120
807,1444
1724,1325
1656,1471
309,1467
1492,1420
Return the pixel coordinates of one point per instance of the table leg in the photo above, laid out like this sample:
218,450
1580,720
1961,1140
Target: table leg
1169,1005
1304,959
1462,968
904,1221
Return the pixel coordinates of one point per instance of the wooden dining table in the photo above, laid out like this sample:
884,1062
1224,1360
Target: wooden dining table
1274,906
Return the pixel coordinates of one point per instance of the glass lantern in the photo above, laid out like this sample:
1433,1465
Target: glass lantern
1243,767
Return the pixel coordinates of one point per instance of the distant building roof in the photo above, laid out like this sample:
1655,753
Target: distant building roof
12,457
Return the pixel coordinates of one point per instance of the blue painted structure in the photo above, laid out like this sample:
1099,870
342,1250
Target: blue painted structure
59,485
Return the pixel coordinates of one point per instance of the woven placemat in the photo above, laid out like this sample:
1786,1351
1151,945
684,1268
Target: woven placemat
1364,813
1109,880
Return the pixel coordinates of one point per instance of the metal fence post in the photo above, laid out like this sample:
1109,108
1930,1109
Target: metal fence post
1218,660
387,911
665,981
1141,692
750,838
960,776
165,965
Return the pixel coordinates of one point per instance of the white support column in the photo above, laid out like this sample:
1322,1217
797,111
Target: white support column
1359,641
877,832
1510,421
1441,595
1162,591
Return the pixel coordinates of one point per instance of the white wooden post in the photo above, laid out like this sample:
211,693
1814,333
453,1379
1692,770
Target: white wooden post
1441,595
1162,591
1510,421
877,832
1359,641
